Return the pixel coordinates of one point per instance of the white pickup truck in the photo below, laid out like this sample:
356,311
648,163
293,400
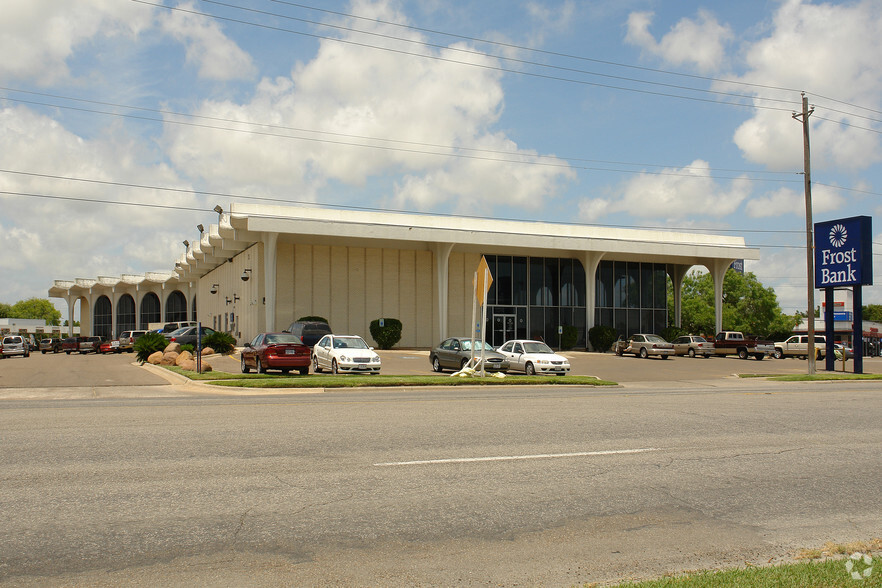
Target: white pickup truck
797,346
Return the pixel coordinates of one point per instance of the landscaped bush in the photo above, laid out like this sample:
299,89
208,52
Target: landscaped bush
219,341
671,333
188,347
602,337
568,337
387,335
315,319
148,344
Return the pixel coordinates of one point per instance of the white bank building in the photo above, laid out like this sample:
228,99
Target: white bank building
262,267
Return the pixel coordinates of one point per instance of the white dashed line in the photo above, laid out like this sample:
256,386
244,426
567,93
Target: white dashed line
518,457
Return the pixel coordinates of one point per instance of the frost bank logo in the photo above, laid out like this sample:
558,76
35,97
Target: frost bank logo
838,236
859,565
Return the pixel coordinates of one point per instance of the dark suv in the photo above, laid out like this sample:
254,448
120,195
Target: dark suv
309,332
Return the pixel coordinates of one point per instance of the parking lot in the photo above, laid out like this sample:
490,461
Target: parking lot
75,370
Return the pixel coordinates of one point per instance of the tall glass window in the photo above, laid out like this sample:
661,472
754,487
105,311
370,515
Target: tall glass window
631,297
149,310
176,307
103,325
125,314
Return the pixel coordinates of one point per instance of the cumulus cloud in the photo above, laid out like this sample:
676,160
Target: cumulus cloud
61,27
787,201
61,226
216,55
828,50
357,114
671,194
699,42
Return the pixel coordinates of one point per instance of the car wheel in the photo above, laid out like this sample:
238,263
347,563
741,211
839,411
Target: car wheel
643,353
759,356
779,354
304,371
529,369
315,365
334,369
618,351
260,368
245,368
43,352
436,365
665,356
67,352
742,353
691,352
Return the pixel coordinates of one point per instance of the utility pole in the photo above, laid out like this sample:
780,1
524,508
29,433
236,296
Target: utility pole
809,228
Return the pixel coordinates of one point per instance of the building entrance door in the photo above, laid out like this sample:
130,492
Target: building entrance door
503,328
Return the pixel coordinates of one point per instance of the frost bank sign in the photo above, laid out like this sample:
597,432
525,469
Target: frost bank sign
844,252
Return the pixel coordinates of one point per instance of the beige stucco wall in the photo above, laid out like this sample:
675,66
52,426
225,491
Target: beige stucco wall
247,311
351,286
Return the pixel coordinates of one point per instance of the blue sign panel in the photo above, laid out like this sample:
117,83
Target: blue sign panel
843,316
844,252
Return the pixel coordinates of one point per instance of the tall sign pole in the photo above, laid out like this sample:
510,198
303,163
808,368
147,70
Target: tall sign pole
809,248
483,279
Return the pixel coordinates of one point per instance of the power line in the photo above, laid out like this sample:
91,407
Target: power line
483,66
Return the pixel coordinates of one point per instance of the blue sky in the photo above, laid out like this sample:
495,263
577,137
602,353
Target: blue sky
633,113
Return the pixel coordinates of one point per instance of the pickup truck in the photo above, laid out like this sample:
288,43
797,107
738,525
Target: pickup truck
797,346
735,343
80,344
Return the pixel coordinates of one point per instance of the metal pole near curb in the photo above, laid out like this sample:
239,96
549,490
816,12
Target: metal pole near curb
199,347
809,227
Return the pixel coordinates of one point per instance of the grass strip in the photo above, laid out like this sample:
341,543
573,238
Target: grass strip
831,573
379,380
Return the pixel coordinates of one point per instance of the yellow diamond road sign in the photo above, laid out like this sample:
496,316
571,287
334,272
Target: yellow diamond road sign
484,279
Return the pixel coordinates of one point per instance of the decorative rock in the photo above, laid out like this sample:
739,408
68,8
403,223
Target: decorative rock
168,358
208,351
155,358
182,357
173,346
190,366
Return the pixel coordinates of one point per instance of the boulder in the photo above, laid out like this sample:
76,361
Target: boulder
190,366
155,358
182,357
208,351
168,358
173,346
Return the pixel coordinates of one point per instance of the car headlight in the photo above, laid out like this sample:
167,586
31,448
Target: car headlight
543,361
375,359
345,358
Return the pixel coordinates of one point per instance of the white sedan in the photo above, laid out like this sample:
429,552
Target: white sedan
344,353
533,357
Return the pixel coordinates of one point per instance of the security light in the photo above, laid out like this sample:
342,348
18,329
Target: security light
218,209
186,244
201,228
214,288
246,275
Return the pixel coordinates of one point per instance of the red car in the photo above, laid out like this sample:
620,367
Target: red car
276,351
109,346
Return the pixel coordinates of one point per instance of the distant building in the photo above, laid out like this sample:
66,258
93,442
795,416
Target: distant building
843,325
31,326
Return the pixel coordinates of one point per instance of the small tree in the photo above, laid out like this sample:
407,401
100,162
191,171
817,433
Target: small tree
148,344
568,337
219,341
602,337
387,335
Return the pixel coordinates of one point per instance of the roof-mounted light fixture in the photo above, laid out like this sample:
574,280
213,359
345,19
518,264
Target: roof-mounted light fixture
201,228
214,288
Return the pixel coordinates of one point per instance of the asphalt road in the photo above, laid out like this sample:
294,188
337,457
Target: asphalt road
543,486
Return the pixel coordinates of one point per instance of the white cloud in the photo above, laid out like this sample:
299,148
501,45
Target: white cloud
828,50
672,194
787,201
380,113
699,42
217,56
62,27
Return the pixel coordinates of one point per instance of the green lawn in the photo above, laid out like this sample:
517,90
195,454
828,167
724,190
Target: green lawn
831,573
380,380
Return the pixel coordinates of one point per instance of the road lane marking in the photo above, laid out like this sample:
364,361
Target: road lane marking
517,457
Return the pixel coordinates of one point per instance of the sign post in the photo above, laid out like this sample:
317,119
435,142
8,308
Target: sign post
483,280
844,257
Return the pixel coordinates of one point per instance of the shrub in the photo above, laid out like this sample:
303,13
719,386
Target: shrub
188,347
568,337
387,335
602,337
671,333
219,341
316,319
148,344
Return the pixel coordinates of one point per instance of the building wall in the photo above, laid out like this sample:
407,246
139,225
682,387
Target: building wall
351,286
243,317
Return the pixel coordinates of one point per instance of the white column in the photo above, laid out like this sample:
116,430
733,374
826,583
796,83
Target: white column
718,268
590,262
442,258
70,313
678,274
270,241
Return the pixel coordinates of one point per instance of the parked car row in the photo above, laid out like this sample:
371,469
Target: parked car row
520,355
725,343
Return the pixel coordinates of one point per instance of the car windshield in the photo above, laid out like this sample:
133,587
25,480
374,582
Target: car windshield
349,343
179,332
467,345
655,339
282,338
536,347
699,339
